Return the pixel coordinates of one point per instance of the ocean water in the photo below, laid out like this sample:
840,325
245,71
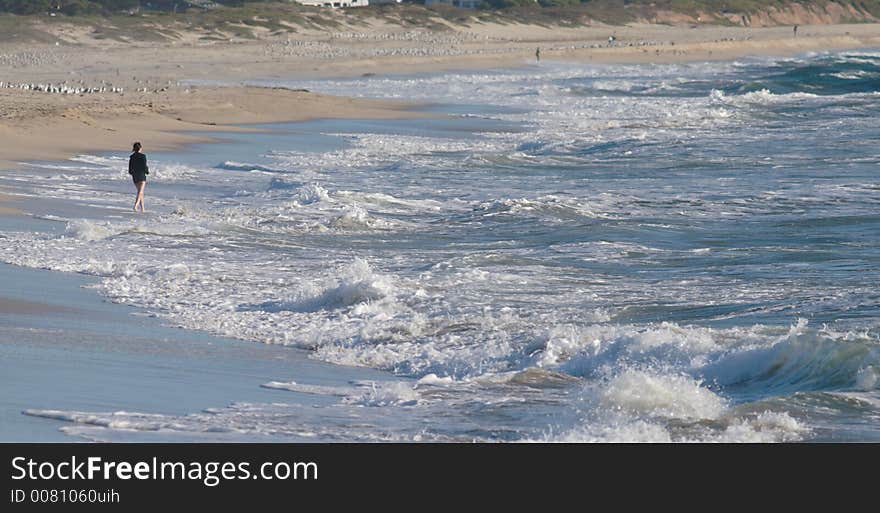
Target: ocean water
576,253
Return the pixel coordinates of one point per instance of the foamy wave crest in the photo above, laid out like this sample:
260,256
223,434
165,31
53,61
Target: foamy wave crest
365,393
855,75
242,166
114,168
304,388
764,97
663,396
355,217
280,184
386,394
760,359
120,420
379,151
406,338
357,284
802,359
90,231
389,203
104,161
311,193
760,97
82,168
589,350
765,427
245,422
623,432
549,206
173,173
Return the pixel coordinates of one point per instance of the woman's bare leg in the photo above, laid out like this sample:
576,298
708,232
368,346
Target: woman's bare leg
140,196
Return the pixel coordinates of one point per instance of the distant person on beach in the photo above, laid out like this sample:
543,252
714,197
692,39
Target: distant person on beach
538,54
137,168
795,30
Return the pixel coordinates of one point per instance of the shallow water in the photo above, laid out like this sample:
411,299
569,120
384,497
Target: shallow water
581,253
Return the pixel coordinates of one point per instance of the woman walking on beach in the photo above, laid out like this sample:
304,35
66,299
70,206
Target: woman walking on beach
137,168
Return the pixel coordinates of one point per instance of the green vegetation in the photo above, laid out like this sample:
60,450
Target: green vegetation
126,20
69,7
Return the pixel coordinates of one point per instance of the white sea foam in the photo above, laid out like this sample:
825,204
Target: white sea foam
243,166
311,193
355,217
120,420
293,386
86,230
433,379
663,395
386,394
766,427
638,431
764,96
356,284
171,173
550,206
103,161
582,350
856,75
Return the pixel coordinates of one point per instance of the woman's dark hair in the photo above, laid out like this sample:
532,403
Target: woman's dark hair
136,146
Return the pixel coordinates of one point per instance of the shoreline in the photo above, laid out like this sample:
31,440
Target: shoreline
108,357
166,114
159,110
60,128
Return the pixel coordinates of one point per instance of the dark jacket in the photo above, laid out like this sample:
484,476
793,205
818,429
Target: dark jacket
137,166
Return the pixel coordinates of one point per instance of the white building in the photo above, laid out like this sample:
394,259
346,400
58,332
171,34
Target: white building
462,4
204,4
335,3
374,2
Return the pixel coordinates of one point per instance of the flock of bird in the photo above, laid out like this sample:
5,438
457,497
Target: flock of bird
411,35
63,88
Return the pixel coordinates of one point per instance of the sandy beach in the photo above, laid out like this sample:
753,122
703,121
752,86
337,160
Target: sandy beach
86,95
46,126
